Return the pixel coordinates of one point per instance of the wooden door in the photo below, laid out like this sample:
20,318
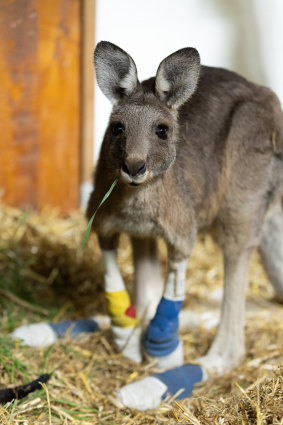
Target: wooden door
40,102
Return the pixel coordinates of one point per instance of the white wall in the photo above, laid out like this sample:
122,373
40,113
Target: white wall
242,35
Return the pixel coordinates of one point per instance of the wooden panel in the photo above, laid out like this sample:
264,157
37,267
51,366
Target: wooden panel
18,144
87,93
39,105
58,102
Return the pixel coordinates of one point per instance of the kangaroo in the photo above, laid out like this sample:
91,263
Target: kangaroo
191,148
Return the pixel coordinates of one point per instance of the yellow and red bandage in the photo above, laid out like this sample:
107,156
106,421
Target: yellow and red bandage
122,312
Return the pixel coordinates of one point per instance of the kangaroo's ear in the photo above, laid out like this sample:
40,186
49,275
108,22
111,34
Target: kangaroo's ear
116,72
177,77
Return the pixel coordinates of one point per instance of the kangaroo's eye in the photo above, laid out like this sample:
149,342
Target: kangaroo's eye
161,131
117,128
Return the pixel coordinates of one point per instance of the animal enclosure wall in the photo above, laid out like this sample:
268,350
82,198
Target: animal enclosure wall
40,102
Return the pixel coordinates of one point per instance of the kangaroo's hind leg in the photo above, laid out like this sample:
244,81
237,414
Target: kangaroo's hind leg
271,248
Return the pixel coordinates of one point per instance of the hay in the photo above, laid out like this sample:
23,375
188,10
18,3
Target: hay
46,276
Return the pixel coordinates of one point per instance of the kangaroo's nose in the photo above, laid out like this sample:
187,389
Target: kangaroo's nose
134,168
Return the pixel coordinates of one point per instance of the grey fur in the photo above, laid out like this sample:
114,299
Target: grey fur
177,77
220,165
112,66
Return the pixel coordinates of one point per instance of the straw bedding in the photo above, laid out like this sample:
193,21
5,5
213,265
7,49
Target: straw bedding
45,275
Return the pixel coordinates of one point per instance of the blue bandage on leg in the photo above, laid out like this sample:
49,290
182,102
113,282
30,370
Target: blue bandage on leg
75,327
181,377
161,337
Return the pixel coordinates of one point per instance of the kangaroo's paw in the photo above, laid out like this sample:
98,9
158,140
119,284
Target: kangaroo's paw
148,393
44,334
216,364
161,340
174,359
128,341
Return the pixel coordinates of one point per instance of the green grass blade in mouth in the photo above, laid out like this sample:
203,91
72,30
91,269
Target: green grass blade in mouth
94,214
